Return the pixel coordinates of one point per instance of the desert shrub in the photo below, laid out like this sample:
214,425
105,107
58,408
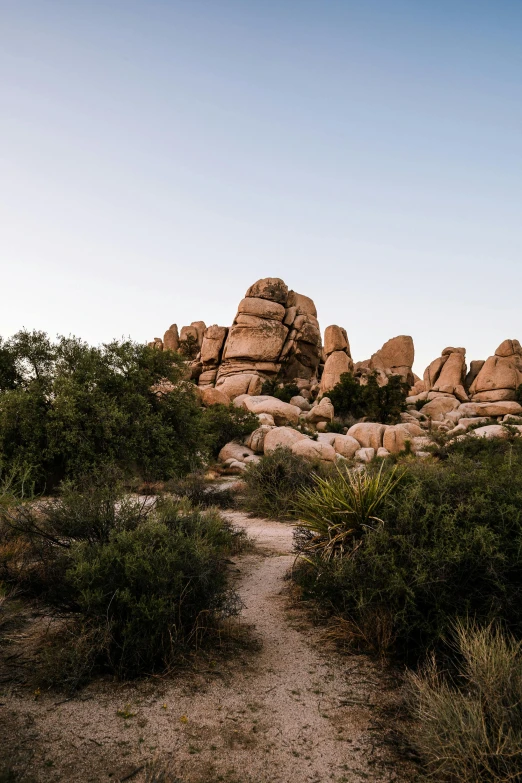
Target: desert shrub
222,423
70,409
189,347
136,583
199,492
469,727
336,511
335,426
376,403
449,547
272,484
283,392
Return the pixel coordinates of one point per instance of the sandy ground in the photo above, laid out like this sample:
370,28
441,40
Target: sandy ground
289,712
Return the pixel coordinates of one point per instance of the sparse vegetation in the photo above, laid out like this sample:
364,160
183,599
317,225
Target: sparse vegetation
468,723
135,583
272,483
283,391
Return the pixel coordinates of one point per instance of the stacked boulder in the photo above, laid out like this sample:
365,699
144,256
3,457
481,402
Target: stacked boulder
338,358
500,375
275,334
396,357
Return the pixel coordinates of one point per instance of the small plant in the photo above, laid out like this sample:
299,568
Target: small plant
199,492
335,512
189,347
224,423
468,727
283,392
272,483
335,426
419,404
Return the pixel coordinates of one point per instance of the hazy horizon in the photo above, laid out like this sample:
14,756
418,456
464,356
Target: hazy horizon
157,158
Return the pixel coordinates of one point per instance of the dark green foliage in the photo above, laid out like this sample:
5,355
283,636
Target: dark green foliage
67,409
449,547
272,483
335,426
137,582
222,423
284,392
189,347
377,403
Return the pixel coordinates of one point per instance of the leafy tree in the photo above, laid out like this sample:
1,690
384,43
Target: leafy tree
377,403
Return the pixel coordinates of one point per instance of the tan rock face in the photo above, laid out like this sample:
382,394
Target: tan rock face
314,450
210,396
369,434
256,440
505,408
282,437
335,339
337,363
395,438
346,446
500,375
438,407
303,304
213,340
282,412
323,411
399,352
234,451
262,308
259,343
452,373
171,338
272,288
244,383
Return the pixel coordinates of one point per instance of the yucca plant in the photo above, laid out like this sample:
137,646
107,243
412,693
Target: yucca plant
335,512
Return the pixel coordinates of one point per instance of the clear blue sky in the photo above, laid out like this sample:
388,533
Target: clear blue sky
156,158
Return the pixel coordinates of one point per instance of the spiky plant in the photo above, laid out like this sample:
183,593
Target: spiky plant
335,512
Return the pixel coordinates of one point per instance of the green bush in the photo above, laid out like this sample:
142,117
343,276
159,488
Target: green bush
468,727
377,403
336,512
222,424
272,484
68,409
137,583
283,392
449,547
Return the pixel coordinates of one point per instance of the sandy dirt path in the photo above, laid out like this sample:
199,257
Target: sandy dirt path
290,712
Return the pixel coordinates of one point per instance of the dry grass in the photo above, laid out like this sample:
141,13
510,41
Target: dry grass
469,727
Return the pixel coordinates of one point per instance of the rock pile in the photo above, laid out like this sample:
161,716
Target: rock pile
275,336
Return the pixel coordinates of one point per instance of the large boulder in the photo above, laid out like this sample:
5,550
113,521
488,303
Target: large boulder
256,439
369,434
346,445
235,451
282,412
336,364
500,375
262,342
303,304
212,344
282,437
323,411
491,409
262,308
272,288
211,396
171,338
335,339
396,437
436,408
314,450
